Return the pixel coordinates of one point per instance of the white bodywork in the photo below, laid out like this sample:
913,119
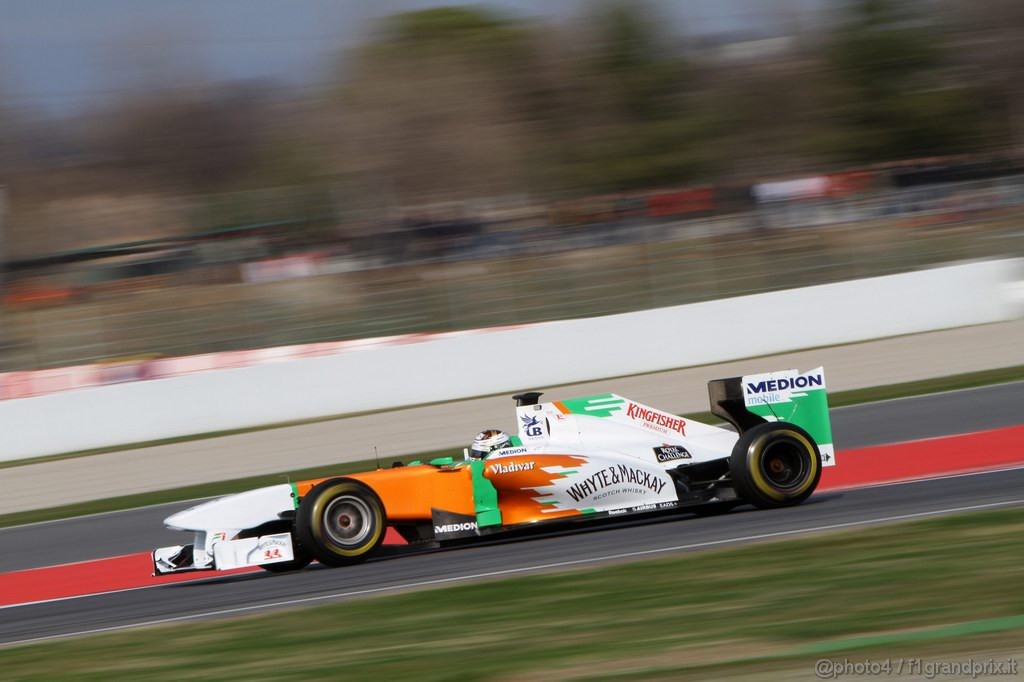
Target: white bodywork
236,512
628,428
624,452
217,524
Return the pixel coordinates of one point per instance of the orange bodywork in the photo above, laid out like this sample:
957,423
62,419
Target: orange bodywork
522,488
520,495
409,493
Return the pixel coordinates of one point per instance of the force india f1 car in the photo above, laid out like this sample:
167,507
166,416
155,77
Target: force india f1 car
573,460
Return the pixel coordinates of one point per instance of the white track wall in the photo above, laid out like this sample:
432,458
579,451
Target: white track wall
529,357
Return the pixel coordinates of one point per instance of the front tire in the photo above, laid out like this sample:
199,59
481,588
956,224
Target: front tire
340,522
775,464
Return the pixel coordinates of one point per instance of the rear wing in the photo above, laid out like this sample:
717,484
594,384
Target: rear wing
789,396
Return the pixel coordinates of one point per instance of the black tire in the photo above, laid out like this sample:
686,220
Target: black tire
776,464
340,522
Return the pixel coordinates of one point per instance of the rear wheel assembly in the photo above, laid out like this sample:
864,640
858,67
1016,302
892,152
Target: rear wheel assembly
775,464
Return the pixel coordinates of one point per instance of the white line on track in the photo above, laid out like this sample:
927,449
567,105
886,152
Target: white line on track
514,571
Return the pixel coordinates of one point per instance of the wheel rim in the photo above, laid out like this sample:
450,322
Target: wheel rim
784,464
348,521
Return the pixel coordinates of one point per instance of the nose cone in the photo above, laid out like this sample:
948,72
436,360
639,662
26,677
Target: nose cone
244,510
188,519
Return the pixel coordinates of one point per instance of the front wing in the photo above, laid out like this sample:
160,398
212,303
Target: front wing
227,555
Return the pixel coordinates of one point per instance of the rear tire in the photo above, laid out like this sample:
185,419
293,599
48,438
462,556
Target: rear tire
340,522
775,464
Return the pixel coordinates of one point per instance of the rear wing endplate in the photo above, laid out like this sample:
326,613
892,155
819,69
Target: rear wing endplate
791,396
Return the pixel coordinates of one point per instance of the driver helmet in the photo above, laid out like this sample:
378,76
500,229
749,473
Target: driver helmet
488,441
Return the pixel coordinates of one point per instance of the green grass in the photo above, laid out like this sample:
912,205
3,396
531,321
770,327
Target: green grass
917,662
192,492
767,607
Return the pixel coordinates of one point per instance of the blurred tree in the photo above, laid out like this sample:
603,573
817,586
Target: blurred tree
892,93
768,116
436,108
196,141
987,39
635,124
460,102
9,125
8,142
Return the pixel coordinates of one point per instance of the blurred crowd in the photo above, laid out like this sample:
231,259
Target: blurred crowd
939,190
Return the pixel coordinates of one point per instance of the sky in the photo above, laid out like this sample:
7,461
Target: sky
63,55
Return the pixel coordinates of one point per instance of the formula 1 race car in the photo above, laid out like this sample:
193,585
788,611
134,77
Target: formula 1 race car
572,461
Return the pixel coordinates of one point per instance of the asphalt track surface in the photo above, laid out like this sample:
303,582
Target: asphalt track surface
114,534
403,568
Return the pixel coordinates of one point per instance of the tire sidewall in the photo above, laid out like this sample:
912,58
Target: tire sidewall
310,522
748,454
